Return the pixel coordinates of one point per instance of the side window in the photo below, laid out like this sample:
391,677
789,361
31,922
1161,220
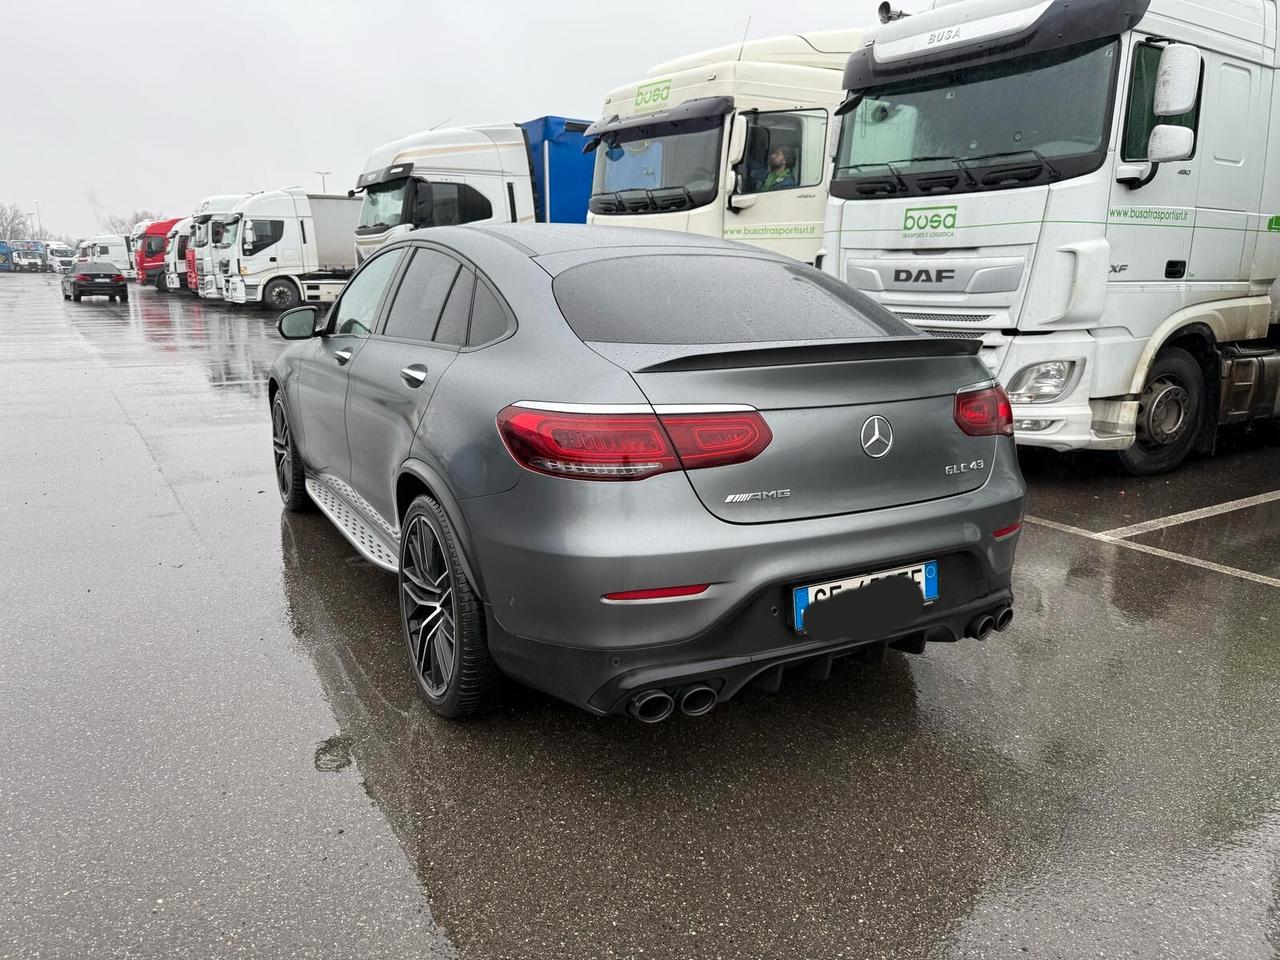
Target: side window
1141,118
785,150
416,309
101,251
266,233
182,245
357,311
489,317
440,204
453,322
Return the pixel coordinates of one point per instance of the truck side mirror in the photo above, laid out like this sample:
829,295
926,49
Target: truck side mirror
1169,142
737,139
249,239
1177,80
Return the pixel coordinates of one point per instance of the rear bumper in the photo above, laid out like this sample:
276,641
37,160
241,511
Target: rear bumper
100,289
551,629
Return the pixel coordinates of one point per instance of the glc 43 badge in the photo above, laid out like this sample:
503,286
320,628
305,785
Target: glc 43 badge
955,469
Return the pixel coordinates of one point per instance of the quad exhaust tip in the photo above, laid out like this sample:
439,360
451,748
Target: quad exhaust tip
697,700
982,626
1003,618
652,706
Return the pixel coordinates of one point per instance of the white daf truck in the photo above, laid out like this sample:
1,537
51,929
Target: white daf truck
175,257
286,247
206,234
730,142
534,171
1089,187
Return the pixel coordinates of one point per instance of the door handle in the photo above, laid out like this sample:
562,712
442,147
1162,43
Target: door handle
342,356
414,376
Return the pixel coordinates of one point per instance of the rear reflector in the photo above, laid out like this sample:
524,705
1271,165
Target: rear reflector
984,412
661,593
629,446
1006,531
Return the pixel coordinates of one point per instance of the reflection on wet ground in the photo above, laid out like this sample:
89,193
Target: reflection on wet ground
216,744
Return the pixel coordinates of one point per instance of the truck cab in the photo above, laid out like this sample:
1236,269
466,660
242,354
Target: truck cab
1091,189
730,142
148,250
109,248
286,247
173,276
28,256
501,173
206,233
59,255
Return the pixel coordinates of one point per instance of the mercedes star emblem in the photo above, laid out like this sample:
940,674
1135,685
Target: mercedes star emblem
877,437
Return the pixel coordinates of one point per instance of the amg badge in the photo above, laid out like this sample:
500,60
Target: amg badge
760,495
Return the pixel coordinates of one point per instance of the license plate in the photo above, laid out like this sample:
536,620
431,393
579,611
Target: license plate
101,279
802,598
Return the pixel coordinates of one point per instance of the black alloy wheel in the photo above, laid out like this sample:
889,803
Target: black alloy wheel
290,473
442,618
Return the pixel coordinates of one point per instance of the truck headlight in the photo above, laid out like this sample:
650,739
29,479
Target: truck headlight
1043,382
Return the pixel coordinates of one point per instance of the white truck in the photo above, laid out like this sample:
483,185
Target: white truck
59,256
206,233
730,142
174,276
498,172
108,248
1091,188
286,247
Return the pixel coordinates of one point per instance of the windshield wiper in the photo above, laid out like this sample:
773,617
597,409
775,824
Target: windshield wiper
1013,153
897,177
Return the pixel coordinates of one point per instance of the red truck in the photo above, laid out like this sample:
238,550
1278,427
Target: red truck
148,253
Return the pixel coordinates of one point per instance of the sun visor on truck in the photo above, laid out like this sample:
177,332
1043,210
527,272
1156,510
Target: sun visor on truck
396,171
978,33
695,109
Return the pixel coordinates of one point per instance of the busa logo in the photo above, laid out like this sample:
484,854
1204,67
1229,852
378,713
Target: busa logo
929,221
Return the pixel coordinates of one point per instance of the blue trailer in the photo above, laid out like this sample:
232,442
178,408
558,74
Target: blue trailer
560,171
6,262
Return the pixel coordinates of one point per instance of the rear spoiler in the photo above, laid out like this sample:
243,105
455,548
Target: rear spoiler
886,348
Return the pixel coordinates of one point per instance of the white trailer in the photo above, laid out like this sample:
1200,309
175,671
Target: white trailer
286,247
174,276
730,142
1089,187
206,233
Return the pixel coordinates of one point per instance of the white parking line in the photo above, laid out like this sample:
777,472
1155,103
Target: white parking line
1203,513
1156,552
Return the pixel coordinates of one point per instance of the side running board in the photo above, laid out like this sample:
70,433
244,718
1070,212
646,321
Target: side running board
371,543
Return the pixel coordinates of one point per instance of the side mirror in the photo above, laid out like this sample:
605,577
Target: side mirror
1177,80
299,323
1169,143
737,139
740,201
248,233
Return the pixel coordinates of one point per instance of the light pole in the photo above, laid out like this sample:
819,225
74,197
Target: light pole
323,174
39,219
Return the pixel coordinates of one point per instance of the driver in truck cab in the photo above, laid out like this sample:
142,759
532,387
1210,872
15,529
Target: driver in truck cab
781,161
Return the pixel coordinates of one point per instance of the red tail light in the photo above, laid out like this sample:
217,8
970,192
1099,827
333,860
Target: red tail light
984,412
83,277
118,278
629,446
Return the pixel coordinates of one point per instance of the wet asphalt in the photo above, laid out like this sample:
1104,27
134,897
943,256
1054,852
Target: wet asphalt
213,745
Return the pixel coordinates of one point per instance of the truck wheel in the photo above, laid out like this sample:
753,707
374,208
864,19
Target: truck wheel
1169,414
280,295
162,282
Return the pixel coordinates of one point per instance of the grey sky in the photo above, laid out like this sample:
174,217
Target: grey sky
257,95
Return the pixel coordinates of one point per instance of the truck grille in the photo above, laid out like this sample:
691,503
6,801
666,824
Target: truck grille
942,317
955,334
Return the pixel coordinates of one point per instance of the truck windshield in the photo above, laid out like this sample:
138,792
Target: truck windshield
1011,124
383,205
61,252
654,169
229,231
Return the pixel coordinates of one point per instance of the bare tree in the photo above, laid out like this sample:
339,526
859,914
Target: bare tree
14,222
123,224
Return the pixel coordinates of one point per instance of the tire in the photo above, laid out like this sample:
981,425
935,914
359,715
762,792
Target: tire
124,297
291,475
280,295
457,678
75,297
1169,414
162,282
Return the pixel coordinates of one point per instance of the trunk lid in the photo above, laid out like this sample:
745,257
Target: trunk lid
820,401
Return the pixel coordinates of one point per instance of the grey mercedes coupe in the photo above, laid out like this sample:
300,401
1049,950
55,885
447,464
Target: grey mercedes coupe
640,470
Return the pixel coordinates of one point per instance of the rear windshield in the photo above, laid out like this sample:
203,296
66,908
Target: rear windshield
97,266
702,298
